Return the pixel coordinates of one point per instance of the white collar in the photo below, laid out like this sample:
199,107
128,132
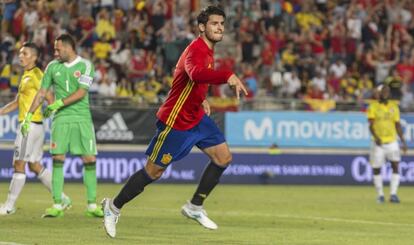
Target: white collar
75,61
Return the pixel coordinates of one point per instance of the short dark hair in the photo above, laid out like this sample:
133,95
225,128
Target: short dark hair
202,18
32,46
67,39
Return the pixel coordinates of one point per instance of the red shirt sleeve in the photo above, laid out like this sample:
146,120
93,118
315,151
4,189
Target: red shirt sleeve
196,68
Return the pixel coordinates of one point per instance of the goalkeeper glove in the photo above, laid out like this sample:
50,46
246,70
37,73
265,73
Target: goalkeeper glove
26,124
52,108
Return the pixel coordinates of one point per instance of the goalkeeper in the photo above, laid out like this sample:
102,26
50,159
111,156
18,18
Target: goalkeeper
72,126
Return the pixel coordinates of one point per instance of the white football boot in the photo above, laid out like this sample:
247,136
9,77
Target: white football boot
110,218
4,210
198,214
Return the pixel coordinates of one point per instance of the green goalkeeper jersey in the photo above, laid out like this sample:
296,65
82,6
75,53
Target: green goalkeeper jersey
66,78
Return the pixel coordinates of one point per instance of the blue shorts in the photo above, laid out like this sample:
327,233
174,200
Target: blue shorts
169,145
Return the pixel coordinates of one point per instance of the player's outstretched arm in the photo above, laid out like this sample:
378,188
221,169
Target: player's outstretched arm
237,84
11,106
195,66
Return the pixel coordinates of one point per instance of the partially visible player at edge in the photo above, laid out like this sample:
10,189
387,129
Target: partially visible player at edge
28,149
384,125
72,127
183,121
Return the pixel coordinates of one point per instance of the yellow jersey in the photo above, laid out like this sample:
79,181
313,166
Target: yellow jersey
385,116
28,87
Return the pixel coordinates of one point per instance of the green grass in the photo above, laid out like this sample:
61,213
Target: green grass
245,215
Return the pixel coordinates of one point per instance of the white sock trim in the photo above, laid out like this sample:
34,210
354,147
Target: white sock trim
394,184
19,176
16,185
378,185
45,176
113,208
58,206
92,206
194,207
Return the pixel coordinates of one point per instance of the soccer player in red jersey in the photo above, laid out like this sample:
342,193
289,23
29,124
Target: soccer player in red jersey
183,121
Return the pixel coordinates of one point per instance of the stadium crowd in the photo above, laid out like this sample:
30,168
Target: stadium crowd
332,50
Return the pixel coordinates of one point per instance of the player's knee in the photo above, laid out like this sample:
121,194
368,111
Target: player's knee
224,160
32,167
394,166
60,158
35,167
88,159
154,171
155,174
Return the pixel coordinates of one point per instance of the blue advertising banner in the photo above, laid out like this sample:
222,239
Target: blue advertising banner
9,124
247,168
299,129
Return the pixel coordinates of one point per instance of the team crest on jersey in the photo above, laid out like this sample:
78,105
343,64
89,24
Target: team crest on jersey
166,158
77,74
53,145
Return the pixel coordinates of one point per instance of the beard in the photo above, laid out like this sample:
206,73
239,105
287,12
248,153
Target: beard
213,37
61,59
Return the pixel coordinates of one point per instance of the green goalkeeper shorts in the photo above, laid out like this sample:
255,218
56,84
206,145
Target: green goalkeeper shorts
77,138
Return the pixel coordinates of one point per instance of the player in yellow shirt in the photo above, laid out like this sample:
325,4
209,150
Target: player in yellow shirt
384,125
27,149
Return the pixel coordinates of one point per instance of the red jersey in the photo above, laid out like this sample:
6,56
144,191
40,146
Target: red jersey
194,72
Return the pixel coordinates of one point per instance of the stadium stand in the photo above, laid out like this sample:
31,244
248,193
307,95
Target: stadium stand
310,55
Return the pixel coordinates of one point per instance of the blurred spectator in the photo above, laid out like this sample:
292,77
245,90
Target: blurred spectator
102,47
349,87
171,50
9,8
125,5
338,69
87,26
383,66
365,86
149,90
124,88
247,39
107,88
289,57
30,18
291,84
137,67
157,16
104,25
250,79
5,76
17,21
319,81
394,81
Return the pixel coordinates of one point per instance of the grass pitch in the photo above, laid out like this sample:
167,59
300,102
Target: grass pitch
245,215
